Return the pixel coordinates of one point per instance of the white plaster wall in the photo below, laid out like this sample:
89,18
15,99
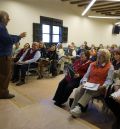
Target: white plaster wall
24,12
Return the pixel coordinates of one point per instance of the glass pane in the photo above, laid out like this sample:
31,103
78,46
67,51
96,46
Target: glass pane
56,29
55,38
45,28
46,38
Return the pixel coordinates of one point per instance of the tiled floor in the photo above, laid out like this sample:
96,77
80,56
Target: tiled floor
33,108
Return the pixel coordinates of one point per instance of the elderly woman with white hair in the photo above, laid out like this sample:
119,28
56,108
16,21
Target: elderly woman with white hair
98,77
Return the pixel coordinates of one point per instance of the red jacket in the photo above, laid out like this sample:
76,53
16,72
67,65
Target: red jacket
80,68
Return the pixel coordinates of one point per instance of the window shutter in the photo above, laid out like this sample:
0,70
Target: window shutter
37,31
64,34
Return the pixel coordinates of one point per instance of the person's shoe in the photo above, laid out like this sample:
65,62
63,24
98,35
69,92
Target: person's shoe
76,111
59,104
20,83
9,96
15,80
54,74
39,77
61,72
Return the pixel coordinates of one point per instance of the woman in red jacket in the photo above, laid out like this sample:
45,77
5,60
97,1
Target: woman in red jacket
98,77
72,79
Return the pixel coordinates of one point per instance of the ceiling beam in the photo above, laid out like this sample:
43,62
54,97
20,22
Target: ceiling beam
65,0
106,8
83,4
102,5
109,11
78,1
75,2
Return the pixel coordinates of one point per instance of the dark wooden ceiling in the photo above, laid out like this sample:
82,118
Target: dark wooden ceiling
105,7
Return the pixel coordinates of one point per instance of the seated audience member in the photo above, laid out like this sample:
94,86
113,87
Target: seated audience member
112,49
99,72
114,102
93,53
116,61
108,47
73,45
61,54
43,61
100,46
16,49
69,82
86,46
27,59
81,49
70,54
53,58
42,49
21,52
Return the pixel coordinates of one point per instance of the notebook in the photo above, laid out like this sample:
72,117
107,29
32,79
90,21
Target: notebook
91,86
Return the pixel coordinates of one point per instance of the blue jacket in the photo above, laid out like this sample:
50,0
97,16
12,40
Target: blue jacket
6,41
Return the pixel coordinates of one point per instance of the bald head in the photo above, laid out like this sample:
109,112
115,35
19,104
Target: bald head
4,17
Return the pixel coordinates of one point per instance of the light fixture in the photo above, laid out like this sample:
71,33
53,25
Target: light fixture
117,23
104,17
88,7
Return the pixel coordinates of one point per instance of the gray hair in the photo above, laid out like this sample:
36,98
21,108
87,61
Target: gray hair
3,16
106,53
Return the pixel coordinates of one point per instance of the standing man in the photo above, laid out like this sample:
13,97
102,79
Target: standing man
6,44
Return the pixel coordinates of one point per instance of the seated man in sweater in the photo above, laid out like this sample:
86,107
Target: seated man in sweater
27,59
98,77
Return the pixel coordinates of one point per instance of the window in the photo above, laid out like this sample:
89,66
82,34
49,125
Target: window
56,34
50,33
50,30
46,33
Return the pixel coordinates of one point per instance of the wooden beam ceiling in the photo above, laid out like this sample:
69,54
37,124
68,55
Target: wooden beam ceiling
106,7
